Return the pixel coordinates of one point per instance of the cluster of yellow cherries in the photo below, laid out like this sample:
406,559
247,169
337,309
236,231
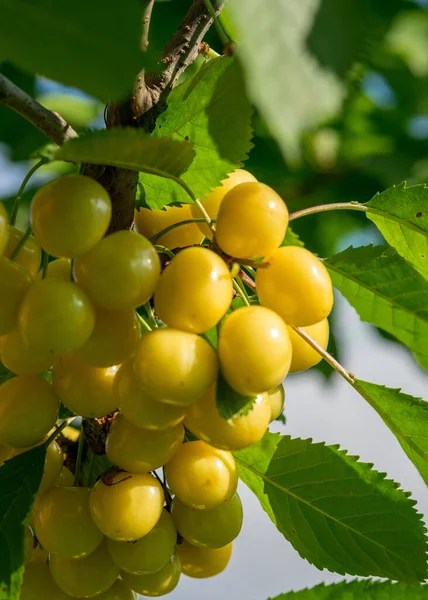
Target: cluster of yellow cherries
70,333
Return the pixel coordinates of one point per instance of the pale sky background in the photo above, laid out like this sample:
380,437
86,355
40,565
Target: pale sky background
264,564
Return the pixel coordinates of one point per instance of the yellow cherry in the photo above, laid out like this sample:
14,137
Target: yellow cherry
151,222
204,421
126,506
296,285
85,390
70,215
15,282
175,367
277,401
304,356
139,407
252,221
194,291
119,273
29,256
19,357
202,476
138,450
212,528
60,268
156,584
212,202
113,339
254,350
201,563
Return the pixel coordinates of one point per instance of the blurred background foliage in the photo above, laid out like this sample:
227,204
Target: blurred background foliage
378,137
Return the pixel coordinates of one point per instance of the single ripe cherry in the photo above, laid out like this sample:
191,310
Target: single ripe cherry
70,215
212,528
28,410
202,476
151,222
201,563
126,506
139,407
63,522
212,202
254,350
148,554
87,391
113,339
56,317
204,421
303,355
87,576
252,221
119,273
296,285
156,584
194,291
175,367
138,450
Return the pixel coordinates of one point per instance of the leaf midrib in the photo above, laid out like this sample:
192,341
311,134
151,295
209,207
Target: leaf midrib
315,508
370,289
389,217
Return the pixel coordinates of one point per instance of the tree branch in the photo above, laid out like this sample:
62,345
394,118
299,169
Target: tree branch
149,97
147,13
50,123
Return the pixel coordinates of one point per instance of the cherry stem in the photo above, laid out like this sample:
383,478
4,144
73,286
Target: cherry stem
326,355
240,289
45,264
168,498
150,315
221,32
78,470
313,210
21,243
158,235
22,187
144,323
163,250
247,279
58,430
73,260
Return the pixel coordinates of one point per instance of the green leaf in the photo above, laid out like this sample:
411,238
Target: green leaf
93,466
406,417
290,88
401,214
94,46
337,513
212,111
5,374
130,149
230,403
385,291
359,590
291,238
19,481
77,111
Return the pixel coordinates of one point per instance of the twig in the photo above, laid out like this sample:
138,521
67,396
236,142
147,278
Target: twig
79,458
50,123
313,210
147,13
22,187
